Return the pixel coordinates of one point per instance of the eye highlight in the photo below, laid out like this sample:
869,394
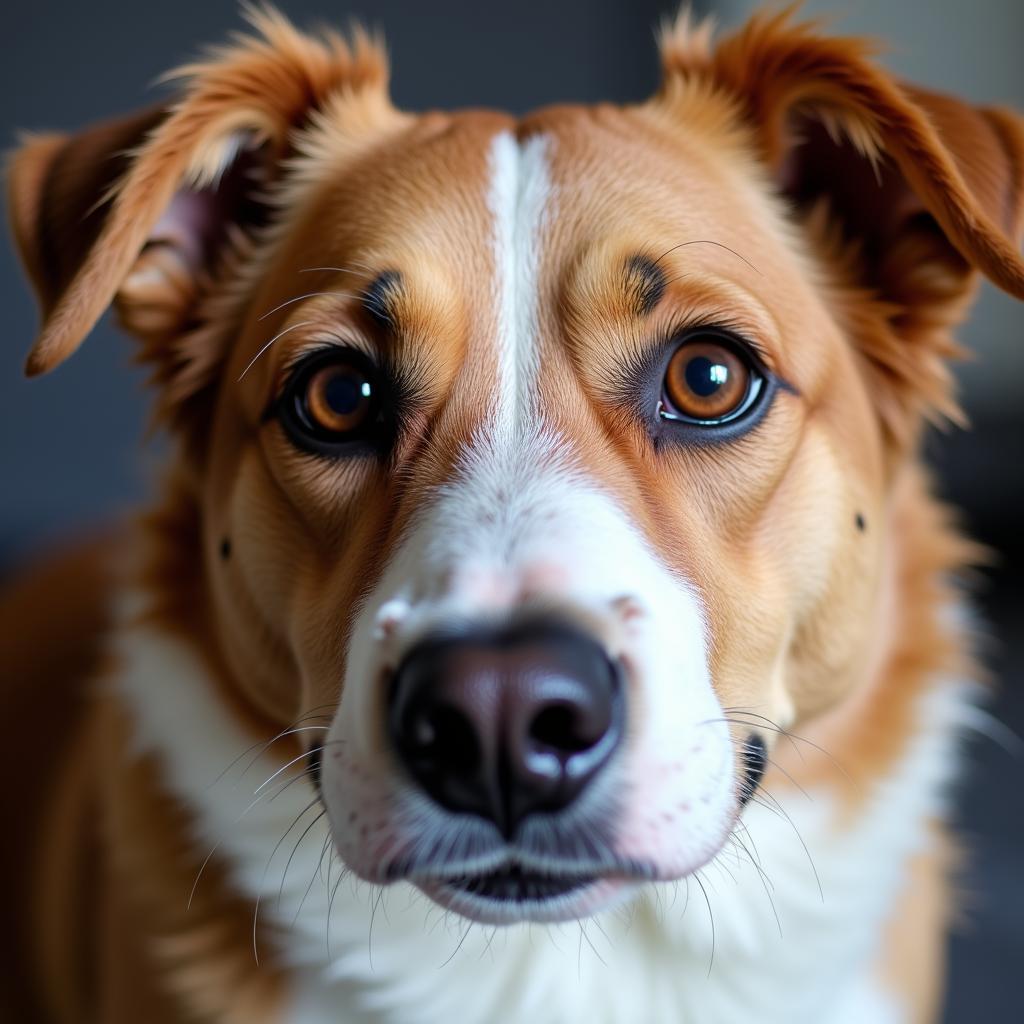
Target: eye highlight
710,380
333,402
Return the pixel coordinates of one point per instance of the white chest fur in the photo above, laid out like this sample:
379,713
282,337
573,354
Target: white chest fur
779,949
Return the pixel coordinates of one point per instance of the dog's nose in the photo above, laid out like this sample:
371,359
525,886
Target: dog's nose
506,723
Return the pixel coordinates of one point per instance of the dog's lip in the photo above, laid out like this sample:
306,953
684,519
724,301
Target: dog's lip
497,898
548,868
513,883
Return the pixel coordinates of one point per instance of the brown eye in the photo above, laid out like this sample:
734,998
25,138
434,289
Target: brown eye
708,382
333,399
339,398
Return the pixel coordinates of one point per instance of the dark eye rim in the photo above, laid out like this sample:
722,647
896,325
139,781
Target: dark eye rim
372,437
671,427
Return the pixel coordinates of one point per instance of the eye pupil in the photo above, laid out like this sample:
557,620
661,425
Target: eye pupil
705,376
345,391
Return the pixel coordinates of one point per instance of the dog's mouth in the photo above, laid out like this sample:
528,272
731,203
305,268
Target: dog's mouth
514,885
515,892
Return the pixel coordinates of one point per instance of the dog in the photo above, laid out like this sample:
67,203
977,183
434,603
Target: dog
545,615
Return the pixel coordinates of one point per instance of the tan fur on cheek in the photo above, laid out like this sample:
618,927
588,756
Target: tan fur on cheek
288,532
831,569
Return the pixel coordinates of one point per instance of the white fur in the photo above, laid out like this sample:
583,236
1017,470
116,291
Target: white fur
519,198
421,965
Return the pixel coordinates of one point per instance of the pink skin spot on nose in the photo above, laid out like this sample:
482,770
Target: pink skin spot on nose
628,608
483,586
390,617
541,578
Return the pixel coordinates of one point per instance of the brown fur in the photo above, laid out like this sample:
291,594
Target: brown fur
755,131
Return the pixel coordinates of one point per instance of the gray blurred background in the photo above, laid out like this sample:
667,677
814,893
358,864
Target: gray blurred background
72,453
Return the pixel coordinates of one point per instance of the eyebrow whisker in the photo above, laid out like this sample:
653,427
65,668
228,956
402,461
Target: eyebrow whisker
361,268
280,334
707,241
308,295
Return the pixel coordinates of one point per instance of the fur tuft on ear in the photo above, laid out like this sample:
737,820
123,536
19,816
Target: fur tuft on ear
139,209
903,192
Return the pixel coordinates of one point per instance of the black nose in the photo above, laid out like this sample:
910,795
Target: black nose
506,723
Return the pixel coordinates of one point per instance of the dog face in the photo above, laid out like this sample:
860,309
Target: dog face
546,463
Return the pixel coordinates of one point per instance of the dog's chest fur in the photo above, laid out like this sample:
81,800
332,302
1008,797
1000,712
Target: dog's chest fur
791,935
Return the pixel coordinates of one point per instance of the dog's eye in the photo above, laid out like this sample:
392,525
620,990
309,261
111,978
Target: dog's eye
709,381
332,398
338,398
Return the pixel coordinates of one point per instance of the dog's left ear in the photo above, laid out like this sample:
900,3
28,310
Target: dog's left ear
141,212
907,192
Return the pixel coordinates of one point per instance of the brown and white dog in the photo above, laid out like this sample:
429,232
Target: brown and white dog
537,483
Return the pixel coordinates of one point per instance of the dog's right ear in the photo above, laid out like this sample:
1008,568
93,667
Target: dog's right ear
142,210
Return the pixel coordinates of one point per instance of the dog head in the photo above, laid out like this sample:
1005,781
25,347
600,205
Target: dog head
553,458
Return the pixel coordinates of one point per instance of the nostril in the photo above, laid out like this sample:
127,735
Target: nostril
441,734
559,727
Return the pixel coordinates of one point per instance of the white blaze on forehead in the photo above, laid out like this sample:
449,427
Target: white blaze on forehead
520,201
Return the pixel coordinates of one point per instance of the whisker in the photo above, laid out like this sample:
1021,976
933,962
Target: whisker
373,916
745,747
791,736
707,241
266,868
330,904
490,941
280,736
711,918
363,268
266,744
285,767
469,928
299,298
589,941
280,334
295,849
216,846
318,870
800,839
765,881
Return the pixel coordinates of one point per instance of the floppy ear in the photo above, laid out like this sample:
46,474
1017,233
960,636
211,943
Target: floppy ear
141,211
906,192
